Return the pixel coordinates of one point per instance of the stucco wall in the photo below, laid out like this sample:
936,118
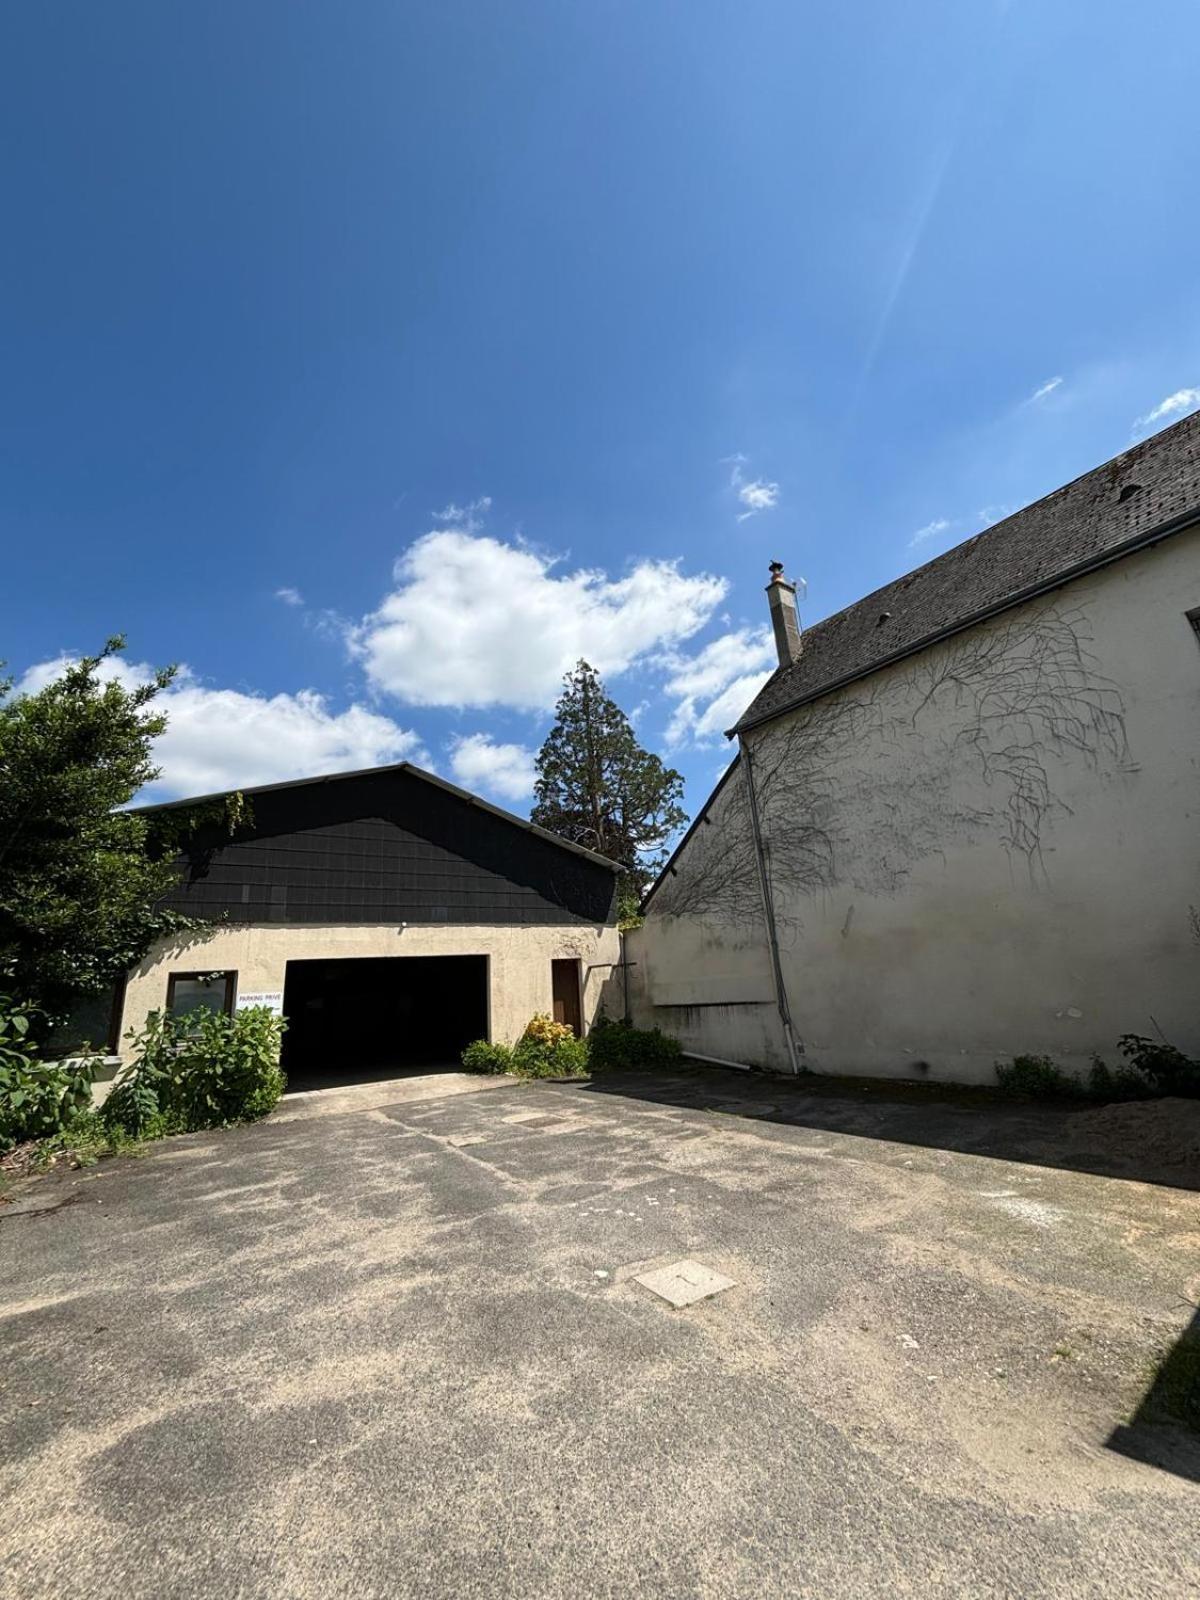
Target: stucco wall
991,848
519,961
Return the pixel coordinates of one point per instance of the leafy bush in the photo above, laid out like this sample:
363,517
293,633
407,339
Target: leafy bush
202,1071
1152,1068
1036,1078
36,1098
133,1100
549,1049
1122,1083
1168,1069
617,1044
483,1056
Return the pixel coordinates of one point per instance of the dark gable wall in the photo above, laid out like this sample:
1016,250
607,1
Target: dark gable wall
387,847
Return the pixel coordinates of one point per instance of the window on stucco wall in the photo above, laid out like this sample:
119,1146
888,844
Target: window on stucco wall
190,992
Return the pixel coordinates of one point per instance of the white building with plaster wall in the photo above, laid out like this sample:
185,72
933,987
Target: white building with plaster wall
964,819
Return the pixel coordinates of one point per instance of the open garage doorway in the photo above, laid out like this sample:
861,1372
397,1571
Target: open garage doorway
372,1017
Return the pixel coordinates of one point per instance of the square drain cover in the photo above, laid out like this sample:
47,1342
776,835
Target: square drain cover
684,1282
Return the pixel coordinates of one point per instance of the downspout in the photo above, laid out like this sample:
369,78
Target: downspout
764,884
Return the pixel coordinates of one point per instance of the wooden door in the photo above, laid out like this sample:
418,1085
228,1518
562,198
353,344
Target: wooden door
567,1007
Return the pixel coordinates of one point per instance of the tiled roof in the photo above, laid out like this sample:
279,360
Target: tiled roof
1153,487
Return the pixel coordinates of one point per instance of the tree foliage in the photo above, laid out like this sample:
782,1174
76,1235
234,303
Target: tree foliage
79,876
597,786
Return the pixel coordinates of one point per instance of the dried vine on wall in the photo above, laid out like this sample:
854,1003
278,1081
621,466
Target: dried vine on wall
860,786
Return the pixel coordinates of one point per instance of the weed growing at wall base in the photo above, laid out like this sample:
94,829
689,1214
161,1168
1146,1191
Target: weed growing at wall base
1152,1069
616,1044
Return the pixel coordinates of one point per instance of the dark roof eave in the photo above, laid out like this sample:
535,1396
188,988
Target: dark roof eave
1019,597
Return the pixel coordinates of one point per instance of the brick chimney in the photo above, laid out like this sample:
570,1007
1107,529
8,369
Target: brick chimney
784,619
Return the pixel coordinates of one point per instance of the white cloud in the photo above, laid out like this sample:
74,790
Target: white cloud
714,686
290,597
468,516
227,738
987,516
1175,405
1044,390
929,531
756,494
474,621
478,762
728,706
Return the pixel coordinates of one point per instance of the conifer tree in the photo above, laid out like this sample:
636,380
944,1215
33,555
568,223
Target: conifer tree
597,786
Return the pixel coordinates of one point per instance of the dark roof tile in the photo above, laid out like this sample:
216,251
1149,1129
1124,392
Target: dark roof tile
1153,485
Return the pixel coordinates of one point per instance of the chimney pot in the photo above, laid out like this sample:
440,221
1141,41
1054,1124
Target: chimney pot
784,619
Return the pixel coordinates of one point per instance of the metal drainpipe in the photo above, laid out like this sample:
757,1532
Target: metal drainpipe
764,884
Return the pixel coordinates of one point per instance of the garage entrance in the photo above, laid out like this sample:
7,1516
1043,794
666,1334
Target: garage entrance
375,1016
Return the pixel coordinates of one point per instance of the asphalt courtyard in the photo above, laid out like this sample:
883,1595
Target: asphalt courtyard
392,1342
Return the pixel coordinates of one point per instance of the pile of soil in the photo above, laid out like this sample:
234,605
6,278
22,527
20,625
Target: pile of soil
1166,1132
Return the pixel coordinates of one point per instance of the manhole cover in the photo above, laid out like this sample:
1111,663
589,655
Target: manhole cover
684,1282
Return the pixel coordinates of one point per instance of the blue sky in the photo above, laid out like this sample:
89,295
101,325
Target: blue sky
375,361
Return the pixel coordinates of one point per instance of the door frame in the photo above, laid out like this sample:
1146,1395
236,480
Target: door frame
576,965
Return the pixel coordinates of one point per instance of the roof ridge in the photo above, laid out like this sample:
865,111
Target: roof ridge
1055,538
372,772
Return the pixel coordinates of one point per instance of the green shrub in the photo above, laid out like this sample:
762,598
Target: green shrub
481,1055
1162,1065
549,1049
133,1102
83,1143
37,1098
1036,1078
1122,1083
202,1071
616,1044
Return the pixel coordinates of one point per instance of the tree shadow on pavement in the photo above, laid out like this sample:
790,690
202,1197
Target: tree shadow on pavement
1164,1431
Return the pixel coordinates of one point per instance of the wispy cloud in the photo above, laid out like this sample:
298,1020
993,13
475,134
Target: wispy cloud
1175,405
910,243
987,515
756,494
929,531
290,597
1044,390
470,517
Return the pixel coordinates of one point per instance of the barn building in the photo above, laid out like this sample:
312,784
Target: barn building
389,915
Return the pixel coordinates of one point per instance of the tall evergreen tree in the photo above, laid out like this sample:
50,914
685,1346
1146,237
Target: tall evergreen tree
597,786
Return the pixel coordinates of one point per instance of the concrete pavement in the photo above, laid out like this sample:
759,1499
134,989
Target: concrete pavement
397,1348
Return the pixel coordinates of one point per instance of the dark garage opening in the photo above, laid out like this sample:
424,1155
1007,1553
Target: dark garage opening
349,1021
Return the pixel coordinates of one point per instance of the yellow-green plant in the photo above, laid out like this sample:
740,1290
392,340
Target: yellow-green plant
549,1049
